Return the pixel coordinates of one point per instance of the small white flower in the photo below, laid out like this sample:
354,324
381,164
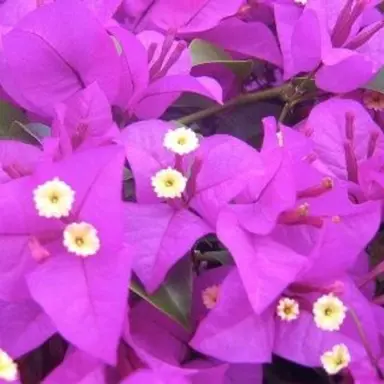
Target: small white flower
54,199
336,359
169,183
301,2
329,312
81,239
210,296
8,368
288,309
181,140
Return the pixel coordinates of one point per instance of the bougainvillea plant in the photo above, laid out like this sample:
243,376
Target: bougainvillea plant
191,191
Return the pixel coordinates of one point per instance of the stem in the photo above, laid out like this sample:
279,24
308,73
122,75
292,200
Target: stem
365,343
285,111
239,100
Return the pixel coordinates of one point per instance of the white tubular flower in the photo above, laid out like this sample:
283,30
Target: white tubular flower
336,359
54,199
210,296
181,141
81,239
169,183
8,368
288,309
329,312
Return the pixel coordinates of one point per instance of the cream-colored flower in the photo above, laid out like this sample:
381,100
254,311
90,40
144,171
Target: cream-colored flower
54,199
288,309
8,368
374,100
169,183
81,239
210,296
336,359
329,312
181,140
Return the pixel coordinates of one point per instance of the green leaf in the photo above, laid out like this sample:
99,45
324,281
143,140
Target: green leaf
174,297
223,257
204,53
377,84
8,116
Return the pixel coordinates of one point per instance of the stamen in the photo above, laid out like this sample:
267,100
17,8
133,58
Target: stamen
175,55
38,252
340,34
336,219
351,162
315,191
166,47
365,342
14,171
151,51
373,137
347,19
364,36
79,135
244,11
350,126
310,158
372,275
337,288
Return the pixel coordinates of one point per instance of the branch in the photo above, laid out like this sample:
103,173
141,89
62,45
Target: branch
249,98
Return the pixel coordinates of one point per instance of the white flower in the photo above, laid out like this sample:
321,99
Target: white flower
8,368
302,2
169,183
54,199
288,309
329,312
81,239
336,359
210,296
181,141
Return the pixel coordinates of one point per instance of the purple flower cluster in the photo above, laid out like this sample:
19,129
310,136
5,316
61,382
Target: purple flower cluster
136,248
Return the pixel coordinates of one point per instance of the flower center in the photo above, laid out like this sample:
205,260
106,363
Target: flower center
169,183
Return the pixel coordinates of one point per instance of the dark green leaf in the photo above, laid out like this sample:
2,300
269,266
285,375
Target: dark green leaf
223,257
174,297
9,115
203,53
